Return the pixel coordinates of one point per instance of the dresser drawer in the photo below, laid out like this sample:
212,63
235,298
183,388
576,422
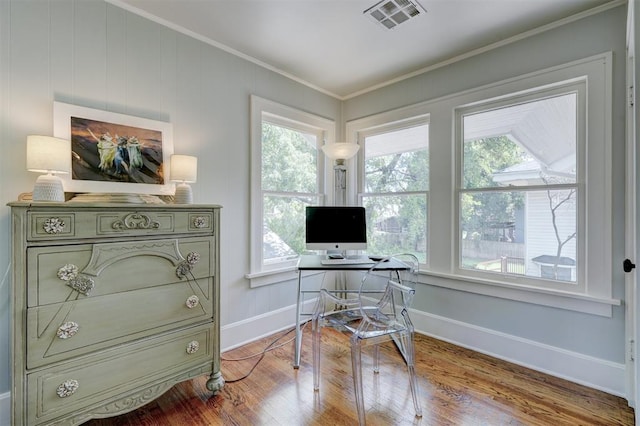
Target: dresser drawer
57,274
64,224
116,374
58,331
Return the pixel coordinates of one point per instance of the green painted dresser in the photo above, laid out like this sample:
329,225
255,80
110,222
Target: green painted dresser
112,304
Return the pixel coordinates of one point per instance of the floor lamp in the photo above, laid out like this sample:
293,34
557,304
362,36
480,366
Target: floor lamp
339,152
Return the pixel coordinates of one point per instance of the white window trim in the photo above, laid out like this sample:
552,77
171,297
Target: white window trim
598,296
260,107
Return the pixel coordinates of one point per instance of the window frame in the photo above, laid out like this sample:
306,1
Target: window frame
577,86
597,295
408,121
282,115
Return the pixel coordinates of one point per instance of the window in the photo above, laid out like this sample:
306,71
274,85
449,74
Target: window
394,184
512,196
287,176
519,198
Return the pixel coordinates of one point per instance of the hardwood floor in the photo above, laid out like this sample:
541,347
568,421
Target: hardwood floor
458,387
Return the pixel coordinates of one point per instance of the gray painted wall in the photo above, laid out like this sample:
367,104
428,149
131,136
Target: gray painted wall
94,54
596,336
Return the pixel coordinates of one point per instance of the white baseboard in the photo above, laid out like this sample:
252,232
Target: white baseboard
5,409
596,373
246,331
593,372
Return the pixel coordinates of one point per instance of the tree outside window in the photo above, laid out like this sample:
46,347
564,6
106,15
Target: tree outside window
396,181
289,184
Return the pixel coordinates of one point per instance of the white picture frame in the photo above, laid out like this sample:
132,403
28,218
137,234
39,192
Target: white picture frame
114,153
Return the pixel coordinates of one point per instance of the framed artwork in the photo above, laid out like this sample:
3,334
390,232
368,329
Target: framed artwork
114,153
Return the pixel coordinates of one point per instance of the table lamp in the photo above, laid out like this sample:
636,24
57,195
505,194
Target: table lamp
184,169
46,154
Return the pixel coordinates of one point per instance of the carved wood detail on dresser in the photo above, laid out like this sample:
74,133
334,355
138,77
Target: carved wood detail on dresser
111,305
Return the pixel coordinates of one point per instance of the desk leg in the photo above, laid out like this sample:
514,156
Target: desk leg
298,339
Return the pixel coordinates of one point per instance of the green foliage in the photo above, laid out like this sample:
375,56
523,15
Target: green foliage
289,160
289,165
397,223
482,159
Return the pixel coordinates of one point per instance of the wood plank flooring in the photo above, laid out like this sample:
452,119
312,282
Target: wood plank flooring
457,387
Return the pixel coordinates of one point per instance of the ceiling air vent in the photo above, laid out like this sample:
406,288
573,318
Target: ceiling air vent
391,13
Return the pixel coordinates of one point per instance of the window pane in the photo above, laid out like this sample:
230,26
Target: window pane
533,143
289,160
397,161
283,230
397,224
530,233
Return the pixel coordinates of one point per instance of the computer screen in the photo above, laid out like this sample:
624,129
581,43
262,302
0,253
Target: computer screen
335,228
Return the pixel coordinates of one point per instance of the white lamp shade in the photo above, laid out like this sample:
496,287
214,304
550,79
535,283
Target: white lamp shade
184,168
340,150
46,154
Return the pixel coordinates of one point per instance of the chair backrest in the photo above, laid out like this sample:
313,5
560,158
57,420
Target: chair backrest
386,294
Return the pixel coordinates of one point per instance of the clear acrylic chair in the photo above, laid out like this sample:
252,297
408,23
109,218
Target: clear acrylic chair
376,312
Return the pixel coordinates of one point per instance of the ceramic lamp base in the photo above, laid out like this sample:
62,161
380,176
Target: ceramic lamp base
183,194
48,188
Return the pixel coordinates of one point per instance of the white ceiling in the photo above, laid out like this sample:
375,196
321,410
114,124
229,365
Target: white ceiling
332,46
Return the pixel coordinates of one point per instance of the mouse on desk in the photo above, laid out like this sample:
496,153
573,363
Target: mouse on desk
377,258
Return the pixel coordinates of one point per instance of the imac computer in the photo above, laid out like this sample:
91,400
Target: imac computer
335,229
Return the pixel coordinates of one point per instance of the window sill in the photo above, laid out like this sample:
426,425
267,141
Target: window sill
276,276
595,305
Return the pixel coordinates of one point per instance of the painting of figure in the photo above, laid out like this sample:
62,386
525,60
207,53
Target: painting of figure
103,151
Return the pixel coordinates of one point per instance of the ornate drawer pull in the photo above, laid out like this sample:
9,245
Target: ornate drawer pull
78,282
67,388
136,221
68,329
200,222
185,267
53,225
193,347
68,272
192,301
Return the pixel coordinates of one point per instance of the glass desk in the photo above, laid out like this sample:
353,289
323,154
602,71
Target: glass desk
313,263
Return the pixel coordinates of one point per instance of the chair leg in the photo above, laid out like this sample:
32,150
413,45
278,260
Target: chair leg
414,390
356,366
413,381
315,341
376,359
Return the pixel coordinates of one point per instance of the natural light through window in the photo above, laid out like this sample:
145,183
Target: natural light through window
287,175
289,178
396,181
519,196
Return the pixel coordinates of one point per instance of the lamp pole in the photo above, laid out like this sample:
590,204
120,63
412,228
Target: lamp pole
340,183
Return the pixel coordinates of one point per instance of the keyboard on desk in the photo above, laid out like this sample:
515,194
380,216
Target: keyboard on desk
348,261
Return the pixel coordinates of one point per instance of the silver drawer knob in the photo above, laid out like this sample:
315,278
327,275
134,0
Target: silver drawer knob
192,347
199,222
68,329
67,388
192,301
